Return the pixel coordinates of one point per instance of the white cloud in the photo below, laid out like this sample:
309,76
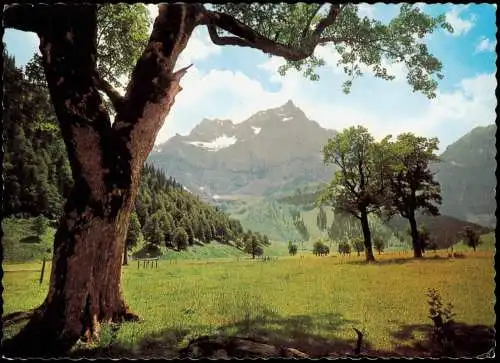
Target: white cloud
421,6
460,25
471,104
367,10
153,13
218,94
485,45
331,58
199,47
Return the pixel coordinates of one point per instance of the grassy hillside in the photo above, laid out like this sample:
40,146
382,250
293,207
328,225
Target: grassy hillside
273,217
20,246
308,303
488,243
201,252
445,230
263,215
20,243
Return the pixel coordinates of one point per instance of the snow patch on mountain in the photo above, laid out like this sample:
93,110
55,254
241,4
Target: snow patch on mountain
284,119
256,130
217,144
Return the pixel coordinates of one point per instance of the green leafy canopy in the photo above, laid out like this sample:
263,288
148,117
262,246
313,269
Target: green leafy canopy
361,43
122,35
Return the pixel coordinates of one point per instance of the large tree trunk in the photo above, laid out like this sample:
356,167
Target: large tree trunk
367,237
417,248
106,161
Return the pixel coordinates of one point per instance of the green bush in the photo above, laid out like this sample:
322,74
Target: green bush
320,249
379,244
358,245
344,248
442,318
181,239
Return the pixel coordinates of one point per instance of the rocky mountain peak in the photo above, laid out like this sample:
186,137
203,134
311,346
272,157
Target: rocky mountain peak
289,111
210,128
289,105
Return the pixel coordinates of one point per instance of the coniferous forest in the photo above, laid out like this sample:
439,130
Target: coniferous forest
37,180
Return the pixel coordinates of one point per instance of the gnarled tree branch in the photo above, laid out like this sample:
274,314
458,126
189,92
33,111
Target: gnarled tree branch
245,36
324,23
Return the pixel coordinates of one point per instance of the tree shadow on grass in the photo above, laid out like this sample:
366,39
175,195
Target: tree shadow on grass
297,332
165,344
468,340
245,339
31,239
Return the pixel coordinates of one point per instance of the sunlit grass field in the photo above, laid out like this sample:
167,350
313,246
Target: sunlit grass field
292,300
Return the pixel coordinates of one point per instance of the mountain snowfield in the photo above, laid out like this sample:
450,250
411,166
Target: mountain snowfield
215,145
280,149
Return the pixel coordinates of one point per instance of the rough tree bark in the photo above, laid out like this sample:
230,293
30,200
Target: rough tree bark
106,160
367,237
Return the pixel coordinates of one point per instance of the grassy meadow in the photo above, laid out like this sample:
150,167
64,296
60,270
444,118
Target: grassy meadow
306,302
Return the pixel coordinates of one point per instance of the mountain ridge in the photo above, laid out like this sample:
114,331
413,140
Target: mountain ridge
280,147
247,157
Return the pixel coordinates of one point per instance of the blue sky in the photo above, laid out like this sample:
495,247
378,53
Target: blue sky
234,83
